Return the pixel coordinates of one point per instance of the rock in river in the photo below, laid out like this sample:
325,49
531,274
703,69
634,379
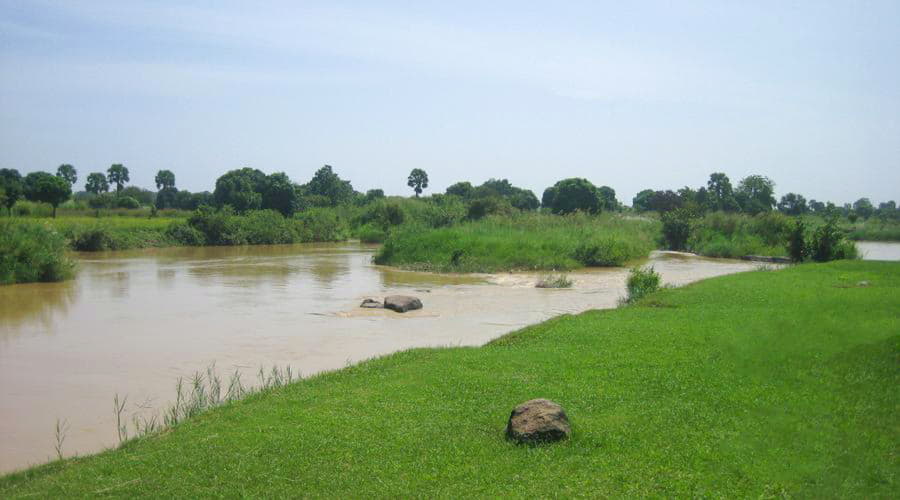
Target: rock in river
402,303
371,304
538,420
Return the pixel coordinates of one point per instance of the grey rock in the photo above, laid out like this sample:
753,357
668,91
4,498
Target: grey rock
402,303
537,421
371,304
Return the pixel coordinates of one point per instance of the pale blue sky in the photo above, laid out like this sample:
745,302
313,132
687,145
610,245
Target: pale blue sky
633,95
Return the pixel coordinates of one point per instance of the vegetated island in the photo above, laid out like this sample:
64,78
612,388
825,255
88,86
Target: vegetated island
768,383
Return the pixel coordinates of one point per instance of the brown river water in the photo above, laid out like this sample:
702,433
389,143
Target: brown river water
133,322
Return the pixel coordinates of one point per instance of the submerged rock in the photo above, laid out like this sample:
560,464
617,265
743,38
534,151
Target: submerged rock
402,303
536,421
371,304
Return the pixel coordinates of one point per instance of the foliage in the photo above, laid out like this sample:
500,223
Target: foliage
96,183
720,193
462,189
608,199
278,193
240,189
12,187
127,202
864,208
489,205
641,282
328,184
756,194
676,228
570,195
525,241
31,251
732,235
418,180
46,188
167,197
373,194
371,233
797,248
793,204
117,174
68,173
164,179
828,243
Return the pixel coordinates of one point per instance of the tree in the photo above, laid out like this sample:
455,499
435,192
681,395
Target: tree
817,207
11,183
569,195
665,201
373,194
887,209
608,199
96,183
418,180
756,194
462,189
117,174
240,189
864,208
524,199
68,173
328,184
720,193
165,179
47,188
641,201
793,204
279,194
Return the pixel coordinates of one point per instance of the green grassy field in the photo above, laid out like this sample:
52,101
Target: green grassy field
523,242
762,384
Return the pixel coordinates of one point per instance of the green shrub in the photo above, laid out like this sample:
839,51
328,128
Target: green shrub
266,227
797,248
491,205
676,228
828,243
554,281
642,282
92,239
370,233
127,202
31,251
321,224
182,233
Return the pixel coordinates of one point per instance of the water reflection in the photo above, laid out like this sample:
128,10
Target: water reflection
39,304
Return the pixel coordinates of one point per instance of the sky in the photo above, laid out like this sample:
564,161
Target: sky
632,95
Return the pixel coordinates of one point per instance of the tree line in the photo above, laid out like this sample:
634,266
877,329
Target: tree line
247,189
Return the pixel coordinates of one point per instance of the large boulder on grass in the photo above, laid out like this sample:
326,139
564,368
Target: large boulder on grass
538,421
402,303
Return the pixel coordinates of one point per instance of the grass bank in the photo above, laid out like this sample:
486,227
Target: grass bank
873,229
521,242
780,383
32,251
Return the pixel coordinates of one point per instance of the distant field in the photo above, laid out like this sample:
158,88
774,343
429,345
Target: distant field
761,384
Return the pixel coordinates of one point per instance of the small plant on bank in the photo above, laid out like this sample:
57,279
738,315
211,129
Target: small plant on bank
554,281
641,282
796,243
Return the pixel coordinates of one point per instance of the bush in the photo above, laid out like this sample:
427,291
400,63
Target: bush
321,224
828,243
642,282
266,227
127,202
183,233
370,233
676,228
492,205
797,248
92,239
31,252
218,227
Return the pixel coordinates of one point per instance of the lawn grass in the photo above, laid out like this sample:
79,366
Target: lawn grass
521,242
769,383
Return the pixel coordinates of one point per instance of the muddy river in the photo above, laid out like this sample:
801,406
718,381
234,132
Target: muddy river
133,322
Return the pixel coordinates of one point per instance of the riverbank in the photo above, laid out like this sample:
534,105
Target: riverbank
692,391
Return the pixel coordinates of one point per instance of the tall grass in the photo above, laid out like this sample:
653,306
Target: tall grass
32,251
735,235
521,242
873,229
